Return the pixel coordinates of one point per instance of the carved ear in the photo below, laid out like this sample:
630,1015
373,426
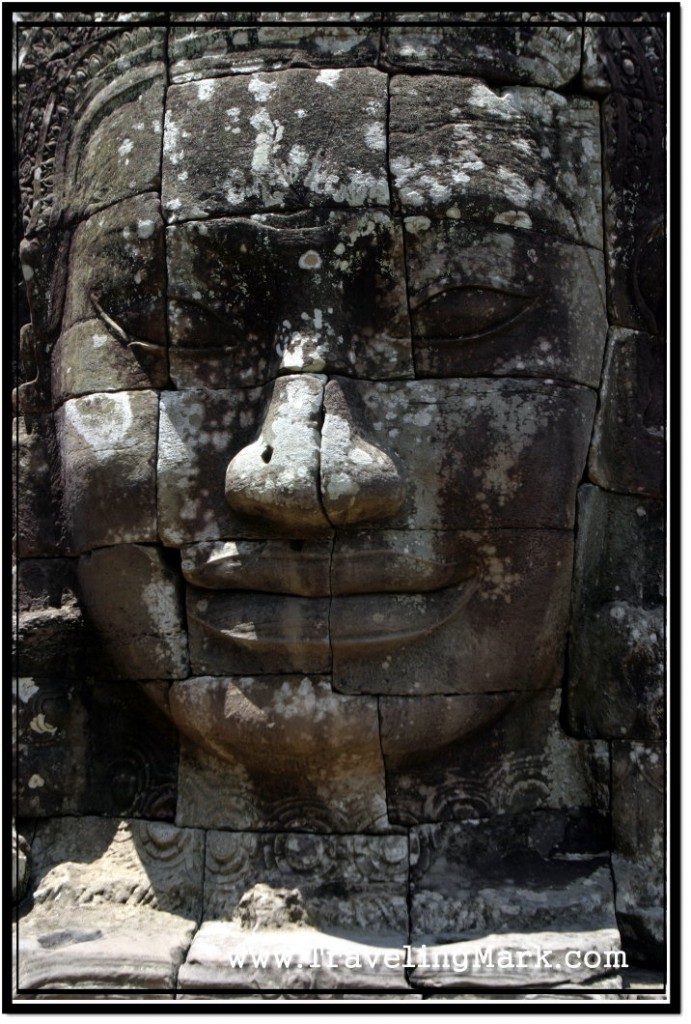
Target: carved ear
24,397
44,261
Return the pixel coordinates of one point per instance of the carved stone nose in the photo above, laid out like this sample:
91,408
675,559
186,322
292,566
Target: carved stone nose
359,480
311,467
277,476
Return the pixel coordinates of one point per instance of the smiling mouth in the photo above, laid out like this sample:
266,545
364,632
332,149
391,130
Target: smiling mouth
306,598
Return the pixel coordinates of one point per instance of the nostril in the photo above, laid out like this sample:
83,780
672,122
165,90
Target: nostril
297,545
267,453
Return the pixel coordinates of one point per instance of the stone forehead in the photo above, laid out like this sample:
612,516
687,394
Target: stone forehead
294,139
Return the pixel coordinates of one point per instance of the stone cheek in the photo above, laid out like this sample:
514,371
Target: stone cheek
252,143
108,451
253,297
501,628
200,431
486,300
471,451
499,156
135,609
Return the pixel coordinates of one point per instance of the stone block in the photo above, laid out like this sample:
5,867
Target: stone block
91,949
135,610
457,145
252,297
113,328
35,495
259,41
50,740
483,890
620,553
116,153
115,904
355,886
490,300
108,448
616,679
199,433
469,452
21,865
617,673
278,753
628,449
85,862
49,626
256,142
497,46
517,760
224,956
132,757
639,846
548,958
450,613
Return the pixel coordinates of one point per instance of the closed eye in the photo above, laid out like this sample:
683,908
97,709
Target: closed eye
468,311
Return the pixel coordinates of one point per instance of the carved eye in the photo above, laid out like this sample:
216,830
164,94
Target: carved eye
468,312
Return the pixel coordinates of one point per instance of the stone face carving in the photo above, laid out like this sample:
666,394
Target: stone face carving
309,391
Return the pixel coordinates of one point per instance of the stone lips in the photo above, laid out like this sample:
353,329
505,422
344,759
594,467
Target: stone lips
308,569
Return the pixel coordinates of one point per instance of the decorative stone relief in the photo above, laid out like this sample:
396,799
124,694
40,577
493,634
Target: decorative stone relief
494,755
50,733
627,61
